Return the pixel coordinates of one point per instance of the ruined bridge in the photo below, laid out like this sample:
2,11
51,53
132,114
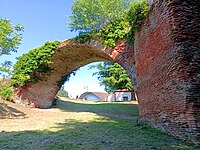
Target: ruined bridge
68,57
164,67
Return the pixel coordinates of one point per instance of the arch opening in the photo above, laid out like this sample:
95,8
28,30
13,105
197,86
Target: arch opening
82,81
101,79
67,58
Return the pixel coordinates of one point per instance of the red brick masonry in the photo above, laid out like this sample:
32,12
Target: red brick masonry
164,67
167,49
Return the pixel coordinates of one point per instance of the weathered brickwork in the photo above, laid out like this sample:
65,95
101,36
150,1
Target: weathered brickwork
168,66
164,66
67,58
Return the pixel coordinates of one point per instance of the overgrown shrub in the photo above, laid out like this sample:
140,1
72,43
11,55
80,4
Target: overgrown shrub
6,93
31,66
113,32
84,37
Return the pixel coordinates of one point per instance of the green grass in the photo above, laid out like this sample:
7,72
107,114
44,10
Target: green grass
94,126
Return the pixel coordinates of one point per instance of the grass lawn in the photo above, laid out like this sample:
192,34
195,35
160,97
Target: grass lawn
79,125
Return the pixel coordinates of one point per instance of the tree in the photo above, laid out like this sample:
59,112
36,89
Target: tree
88,15
112,76
62,93
5,69
107,20
10,37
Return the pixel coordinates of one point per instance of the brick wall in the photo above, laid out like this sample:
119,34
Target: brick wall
168,66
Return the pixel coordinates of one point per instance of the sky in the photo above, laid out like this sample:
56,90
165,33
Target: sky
47,20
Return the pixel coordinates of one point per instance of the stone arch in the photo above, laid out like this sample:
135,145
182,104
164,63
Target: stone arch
68,57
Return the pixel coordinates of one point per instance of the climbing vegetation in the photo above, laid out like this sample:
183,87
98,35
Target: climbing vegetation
136,14
85,37
6,89
114,29
34,64
113,32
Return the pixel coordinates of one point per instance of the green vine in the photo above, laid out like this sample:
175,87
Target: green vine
113,32
119,29
84,37
136,14
31,66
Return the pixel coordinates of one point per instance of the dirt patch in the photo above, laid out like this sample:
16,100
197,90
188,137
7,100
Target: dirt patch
15,117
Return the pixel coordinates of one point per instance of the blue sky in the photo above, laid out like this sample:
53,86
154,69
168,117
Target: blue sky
46,20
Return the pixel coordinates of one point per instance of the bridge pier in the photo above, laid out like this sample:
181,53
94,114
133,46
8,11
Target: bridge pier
167,49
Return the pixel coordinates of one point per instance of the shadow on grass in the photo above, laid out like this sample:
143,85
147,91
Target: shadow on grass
104,133
8,112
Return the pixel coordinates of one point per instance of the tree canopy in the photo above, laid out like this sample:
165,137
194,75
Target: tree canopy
10,37
88,15
107,21
112,76
62,92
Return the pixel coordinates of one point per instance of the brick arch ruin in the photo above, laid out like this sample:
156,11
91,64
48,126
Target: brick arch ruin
164,65
68,57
